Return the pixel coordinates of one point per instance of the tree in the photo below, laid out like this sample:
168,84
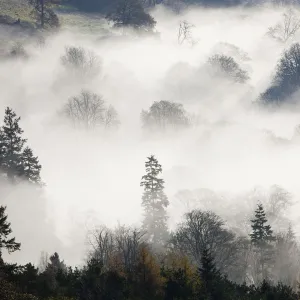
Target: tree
154,202
286,29
226,66
130,13
43,13
287,255
5,230
81,62
30,166
185,33
287,78
111,118
201,229
163,115
262,238
210,276
88,110
11,145
16,162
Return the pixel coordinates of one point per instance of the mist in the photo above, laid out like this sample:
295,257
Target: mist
93,177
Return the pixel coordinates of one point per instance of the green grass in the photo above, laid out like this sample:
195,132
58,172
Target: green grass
91,23
15,9
12,10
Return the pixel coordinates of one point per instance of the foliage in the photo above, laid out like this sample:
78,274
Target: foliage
130,13
226,66
6,242
286,80
165,115
92,5
88,110
18,51
201,229
154,202
262,238
16,161
42,12
81,62
285,30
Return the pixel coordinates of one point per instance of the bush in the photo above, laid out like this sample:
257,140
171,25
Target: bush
226,66
287,78
88,110
165,115
81,62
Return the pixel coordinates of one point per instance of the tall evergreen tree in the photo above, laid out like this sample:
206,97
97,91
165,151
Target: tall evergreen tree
11,145
262,238
5,230
30,167
211,277
154,202
16,162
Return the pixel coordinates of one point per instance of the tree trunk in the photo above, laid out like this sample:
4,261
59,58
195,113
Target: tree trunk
42,14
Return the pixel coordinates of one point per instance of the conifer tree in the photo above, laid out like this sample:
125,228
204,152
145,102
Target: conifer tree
30,167
16,161
262,238
210,276
154,202
5,230
11,145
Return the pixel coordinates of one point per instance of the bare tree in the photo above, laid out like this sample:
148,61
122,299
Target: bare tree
185,33
111,118
102,242
163,115
88,110
128,244
81,62
226,66
201,230
121,246
287,28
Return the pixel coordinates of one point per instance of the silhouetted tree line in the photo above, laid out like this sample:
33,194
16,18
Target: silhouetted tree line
201,259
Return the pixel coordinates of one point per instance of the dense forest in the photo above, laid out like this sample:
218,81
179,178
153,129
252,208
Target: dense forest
175,123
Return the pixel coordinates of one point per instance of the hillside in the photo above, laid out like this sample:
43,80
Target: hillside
12,10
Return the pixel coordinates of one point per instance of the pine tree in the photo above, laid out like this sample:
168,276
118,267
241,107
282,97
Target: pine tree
30,167
154,202
5,230
262,238
211,277
11,145
15,161
208,270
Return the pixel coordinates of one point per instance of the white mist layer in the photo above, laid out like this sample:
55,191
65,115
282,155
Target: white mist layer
228,152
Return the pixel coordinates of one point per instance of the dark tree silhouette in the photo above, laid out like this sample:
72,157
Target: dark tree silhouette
226,66
163,115
30,168
6,242
154,202
43,13
261,238
287,78
11,145
130,13
16,162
